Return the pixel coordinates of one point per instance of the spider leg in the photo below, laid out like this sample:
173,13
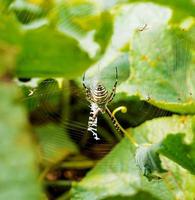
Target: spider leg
111,96
84,82
87,90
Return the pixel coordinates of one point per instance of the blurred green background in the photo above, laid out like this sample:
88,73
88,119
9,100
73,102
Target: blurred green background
45,48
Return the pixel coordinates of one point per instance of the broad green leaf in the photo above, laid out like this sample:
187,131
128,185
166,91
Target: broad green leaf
180,180
105,30
154,131
54,143
175,149
126,20
161,60
55,55
9,28
192,34
75,20
110,176
5,3
141,196
118,175
84,21
8,55
185,8
9,43
108,75
19,169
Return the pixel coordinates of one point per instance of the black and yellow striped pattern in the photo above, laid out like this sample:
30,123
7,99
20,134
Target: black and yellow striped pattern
99,97
100,94
115,123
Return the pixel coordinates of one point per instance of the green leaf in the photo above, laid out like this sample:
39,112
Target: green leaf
158,65
75,20
9,43
154,131
5,3
186,8
55,55
19,169
147,159
140,196
171,145
108,177
118,175
54,143
105,30
174,147
158,131
9,29
107,75
126,20
8,55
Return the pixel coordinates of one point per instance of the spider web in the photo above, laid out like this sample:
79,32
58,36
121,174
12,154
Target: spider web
46,106
64,104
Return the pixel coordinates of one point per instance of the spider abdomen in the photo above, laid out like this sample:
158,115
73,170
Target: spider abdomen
100,94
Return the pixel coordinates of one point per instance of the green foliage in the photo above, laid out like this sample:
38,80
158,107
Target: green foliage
151,43
19,173
9,39
118,175
54,144
39,58
114,165
147,159
184,155
165,59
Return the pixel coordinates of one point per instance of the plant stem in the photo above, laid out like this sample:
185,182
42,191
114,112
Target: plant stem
115,121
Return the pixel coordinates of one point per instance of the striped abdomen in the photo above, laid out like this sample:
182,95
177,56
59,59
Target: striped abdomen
100,95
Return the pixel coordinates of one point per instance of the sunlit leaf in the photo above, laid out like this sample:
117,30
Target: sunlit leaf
178,149
118,175
161,59
56,55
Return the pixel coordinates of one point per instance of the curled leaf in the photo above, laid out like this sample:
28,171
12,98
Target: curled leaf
147,159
